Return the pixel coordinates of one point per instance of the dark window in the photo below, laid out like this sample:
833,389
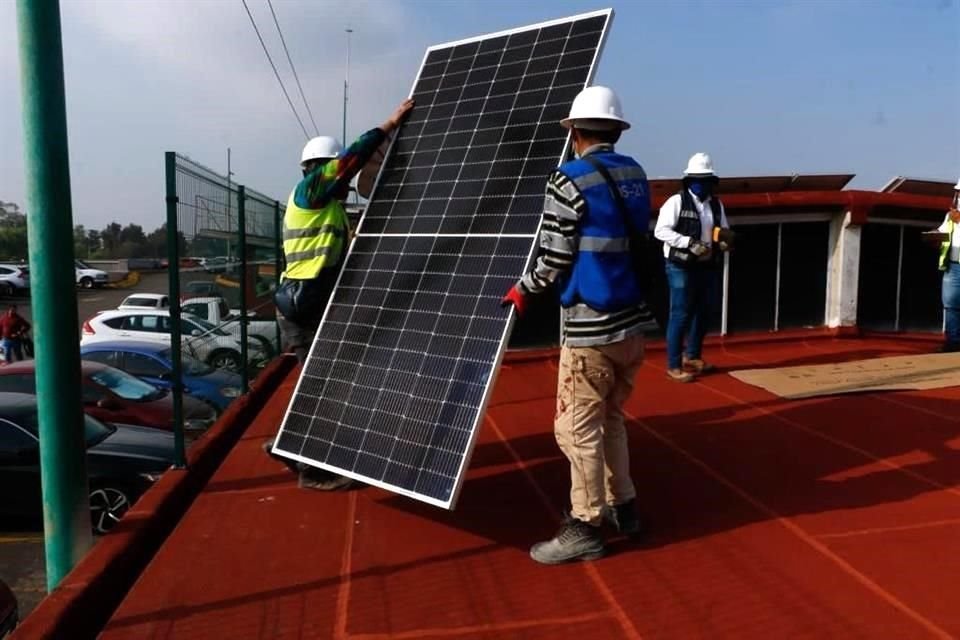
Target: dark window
115,323
753,279
877,289
803,274
13,439
199,309
140,365
921,307
20,383
111,358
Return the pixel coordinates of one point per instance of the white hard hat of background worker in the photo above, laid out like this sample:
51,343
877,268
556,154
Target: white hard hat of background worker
700,165
596,109
320,148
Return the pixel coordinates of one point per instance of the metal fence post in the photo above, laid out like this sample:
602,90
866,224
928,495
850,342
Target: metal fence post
63,472
173,256
278,260
242,241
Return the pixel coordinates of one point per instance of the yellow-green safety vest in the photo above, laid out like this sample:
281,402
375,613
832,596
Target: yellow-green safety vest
945,246
313,239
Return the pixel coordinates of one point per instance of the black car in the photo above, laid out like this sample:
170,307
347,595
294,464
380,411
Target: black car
8,610
122,462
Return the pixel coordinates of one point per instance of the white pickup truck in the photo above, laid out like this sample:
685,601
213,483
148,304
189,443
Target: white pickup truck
216,311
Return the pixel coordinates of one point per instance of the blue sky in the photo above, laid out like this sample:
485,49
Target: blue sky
871,88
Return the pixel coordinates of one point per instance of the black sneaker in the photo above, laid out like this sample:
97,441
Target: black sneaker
323,480
624,518
293,465
576,540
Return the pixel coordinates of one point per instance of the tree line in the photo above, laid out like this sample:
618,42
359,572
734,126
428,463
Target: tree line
111,242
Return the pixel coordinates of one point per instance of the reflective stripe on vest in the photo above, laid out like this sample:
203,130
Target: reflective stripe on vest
313,239
604,245
945,246
619,174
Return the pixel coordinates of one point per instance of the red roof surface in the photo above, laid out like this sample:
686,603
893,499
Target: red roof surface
824,517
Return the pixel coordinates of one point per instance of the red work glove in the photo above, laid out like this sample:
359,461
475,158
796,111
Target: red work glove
515,297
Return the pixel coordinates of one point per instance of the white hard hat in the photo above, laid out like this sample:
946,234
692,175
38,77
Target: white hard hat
699,165
596,109
321,148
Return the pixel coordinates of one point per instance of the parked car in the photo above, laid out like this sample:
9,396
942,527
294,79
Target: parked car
214,265
151,362
200,339
88,277
214,310
14,280
122,462
112,395
9,613
196,288
146,301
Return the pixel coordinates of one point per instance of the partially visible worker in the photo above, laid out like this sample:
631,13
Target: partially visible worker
316,233
13,329
950,265
596,210
687,225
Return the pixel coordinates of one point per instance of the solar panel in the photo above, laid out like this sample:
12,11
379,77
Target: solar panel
398,376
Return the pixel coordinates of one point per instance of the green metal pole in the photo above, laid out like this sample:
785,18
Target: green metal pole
278,261
242,241
63,468
173,275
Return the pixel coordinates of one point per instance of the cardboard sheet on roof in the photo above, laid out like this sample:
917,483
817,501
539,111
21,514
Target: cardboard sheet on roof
913,372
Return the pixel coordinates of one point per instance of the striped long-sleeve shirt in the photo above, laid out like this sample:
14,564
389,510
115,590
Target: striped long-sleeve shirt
331,179
564,207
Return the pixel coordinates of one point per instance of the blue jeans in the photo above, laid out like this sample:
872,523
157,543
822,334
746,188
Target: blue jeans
951,303
12,349
691,297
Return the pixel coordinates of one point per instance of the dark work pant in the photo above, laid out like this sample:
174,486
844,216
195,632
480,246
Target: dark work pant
298,335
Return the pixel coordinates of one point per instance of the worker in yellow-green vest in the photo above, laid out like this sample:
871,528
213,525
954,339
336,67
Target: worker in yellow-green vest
316,230
950,265
316,234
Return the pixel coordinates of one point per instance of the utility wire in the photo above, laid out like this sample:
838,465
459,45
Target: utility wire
275,72
292,68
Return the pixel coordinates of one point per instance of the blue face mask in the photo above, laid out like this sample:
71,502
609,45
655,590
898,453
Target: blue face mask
701,189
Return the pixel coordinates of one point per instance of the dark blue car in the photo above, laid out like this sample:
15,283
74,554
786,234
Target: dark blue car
151,362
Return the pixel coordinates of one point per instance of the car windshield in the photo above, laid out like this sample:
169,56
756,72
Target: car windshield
140,302
191,366
81,265
206,327
94,431
125,385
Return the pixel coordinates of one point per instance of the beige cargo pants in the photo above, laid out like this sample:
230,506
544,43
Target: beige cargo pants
594,383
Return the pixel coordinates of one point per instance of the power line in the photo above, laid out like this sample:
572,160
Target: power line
275,72
292,68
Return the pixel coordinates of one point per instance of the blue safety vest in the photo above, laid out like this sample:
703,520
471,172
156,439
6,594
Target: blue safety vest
603,275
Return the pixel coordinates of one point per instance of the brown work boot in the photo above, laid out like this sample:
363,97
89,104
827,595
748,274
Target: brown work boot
323,480
697,366
679,375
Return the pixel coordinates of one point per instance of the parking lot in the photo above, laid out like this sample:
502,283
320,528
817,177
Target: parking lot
21,542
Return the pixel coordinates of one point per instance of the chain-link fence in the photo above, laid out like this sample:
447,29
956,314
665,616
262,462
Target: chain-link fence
225,257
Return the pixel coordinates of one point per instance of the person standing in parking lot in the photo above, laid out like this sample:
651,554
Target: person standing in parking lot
12,330
316,233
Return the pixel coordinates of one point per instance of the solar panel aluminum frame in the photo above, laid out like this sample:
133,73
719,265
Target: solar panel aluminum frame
508,326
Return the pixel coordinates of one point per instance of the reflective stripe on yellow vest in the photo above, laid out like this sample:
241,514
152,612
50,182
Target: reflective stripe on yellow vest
313,238
945,246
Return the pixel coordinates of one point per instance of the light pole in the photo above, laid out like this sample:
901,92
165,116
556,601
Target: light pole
346,84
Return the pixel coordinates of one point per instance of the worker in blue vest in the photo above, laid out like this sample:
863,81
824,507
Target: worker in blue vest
690,226
950,265
316,233
596,210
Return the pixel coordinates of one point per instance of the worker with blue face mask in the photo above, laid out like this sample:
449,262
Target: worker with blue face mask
693,228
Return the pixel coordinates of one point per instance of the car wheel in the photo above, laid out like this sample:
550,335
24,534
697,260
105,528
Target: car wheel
107,506
223,359
86,282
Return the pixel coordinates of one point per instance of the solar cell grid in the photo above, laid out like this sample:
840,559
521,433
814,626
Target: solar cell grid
400,369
